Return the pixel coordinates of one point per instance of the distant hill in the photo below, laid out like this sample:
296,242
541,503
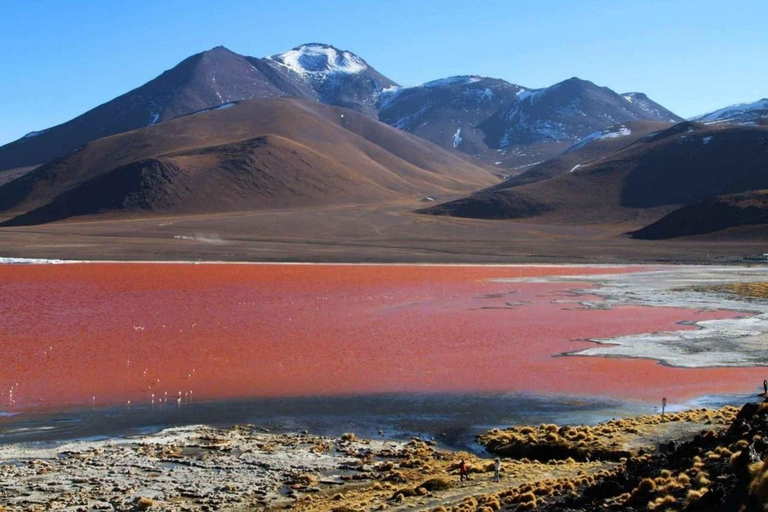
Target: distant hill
637,184
710,215
250,155
509,125
744,113
587,150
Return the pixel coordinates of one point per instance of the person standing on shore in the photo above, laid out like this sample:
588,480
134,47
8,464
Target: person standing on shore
765,387
463,471
496,469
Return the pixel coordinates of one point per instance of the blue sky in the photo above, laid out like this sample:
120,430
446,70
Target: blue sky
60,58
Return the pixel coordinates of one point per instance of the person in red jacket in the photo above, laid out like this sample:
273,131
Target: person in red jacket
463,474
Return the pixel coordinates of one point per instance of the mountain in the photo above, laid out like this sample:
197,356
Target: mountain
543,122
500,123
587,150
448,112
202,81
255,154
638,184
710,215
334,76
509,125
743,113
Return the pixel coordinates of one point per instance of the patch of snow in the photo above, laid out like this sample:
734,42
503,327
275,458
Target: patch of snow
225,105
451,80
608,133
524,94
31,135
154,118
575,167
629,98
497,163
706,140
526,165
457,138
319,59
386,96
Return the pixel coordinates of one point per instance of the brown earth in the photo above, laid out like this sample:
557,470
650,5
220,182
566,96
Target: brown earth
12,174
710,215
255,155
387,232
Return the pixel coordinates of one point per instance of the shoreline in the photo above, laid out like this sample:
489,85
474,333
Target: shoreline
628,265
199,467
45,261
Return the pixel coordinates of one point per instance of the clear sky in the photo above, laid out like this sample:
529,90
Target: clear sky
60,58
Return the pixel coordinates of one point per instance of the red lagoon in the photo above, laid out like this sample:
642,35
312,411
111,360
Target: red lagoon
77,334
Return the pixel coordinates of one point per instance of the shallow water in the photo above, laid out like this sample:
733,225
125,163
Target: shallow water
101,335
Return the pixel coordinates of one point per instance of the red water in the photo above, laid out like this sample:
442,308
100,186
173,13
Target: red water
120,332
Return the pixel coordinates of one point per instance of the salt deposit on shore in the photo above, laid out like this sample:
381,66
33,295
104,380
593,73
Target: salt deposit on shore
182,468
716,343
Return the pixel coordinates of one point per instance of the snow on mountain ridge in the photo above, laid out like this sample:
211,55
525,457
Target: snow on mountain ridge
732,111
609,133
642,101
319,59
452,80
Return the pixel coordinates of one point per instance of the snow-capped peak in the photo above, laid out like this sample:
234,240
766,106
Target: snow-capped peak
320,59
733,110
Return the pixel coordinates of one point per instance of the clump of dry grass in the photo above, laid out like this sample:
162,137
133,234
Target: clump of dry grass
603,441
436,484
753,290
144,503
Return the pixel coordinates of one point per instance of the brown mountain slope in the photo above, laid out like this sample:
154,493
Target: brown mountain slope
638,184
710,215
253,155
201,81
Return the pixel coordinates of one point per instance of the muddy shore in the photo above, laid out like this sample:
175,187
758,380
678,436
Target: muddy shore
246,467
